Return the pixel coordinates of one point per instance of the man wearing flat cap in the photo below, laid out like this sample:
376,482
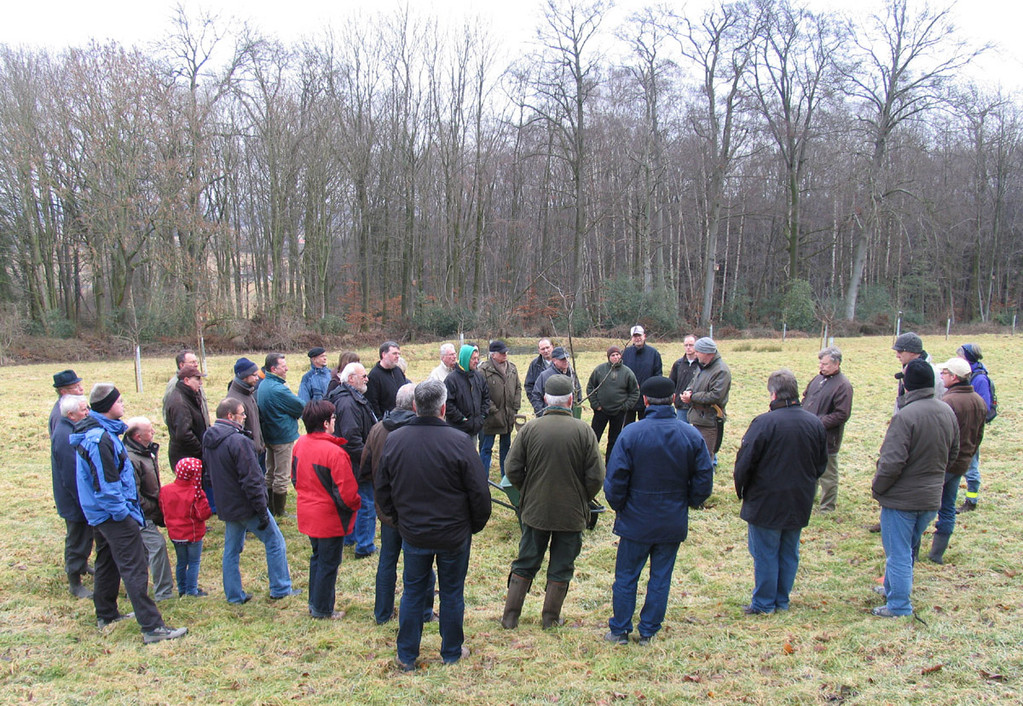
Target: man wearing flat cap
612,390
659,468
971,412
556,465
559,366
920,446
708,394
317,378
502,378
65,383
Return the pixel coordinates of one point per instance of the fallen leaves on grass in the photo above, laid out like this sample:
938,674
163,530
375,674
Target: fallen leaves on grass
932,670
993,677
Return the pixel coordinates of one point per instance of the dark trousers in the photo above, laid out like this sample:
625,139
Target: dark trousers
323,566
614,423
120,555
634,415
565,547
77,547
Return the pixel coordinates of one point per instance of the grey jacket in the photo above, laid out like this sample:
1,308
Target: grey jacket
921,444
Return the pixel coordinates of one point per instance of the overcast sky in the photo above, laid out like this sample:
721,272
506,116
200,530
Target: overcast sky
61,23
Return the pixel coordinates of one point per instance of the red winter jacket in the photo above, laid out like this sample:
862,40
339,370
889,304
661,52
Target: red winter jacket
328,496
185,510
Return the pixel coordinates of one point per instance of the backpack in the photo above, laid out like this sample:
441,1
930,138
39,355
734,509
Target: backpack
992,411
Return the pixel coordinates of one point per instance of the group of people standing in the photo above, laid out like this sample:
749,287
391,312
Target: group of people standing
418,457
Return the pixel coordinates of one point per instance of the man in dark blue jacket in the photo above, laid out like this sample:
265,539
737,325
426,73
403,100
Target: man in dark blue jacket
228,453
430,483
659,468
645,362
63,463
782,455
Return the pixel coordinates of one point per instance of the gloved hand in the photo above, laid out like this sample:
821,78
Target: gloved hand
264,521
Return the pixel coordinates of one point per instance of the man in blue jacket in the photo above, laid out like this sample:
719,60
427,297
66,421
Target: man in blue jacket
659,468
317,378
110,502
64,466
645,362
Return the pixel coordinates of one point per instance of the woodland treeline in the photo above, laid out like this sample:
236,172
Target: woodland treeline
756,164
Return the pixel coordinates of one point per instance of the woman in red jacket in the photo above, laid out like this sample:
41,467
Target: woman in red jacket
327,500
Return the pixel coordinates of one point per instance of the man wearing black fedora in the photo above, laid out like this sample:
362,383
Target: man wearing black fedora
65,383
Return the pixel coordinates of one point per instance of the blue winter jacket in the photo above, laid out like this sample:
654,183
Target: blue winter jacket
279,410
106,478
64,467
314,384
981,382
645,362
659,468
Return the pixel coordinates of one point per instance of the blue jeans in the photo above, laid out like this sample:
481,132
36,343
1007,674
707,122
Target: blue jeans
973,478
487,450
947,512
451,569
900,534
682,415
323,564
365,523
189,554
276,558
387,576
632,556
775,560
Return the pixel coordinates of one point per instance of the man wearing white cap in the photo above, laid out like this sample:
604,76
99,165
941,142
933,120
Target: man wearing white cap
645,362
971,411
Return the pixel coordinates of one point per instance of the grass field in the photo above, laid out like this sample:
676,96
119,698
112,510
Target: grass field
827,649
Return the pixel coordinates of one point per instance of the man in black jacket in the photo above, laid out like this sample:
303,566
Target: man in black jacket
354,421
682,373
782,455
242,502
536,366
384,379
431,484
468,397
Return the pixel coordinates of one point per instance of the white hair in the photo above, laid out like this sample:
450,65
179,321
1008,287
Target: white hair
558,400
350,370
446,348
70,404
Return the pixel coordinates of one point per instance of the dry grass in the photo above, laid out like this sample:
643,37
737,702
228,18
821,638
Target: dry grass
826,649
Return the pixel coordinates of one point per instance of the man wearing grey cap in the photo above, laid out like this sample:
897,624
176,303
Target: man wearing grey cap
708,394
556,465
559,366
908,346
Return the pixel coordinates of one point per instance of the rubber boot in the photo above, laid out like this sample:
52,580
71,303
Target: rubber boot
938,546
75,586
552,602
518,587
280,501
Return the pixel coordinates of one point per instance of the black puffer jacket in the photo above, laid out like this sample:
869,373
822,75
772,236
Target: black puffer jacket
468,400
238,483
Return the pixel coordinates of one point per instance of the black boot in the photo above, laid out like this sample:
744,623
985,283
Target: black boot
76,588
518,587
938,546
552,602
280,501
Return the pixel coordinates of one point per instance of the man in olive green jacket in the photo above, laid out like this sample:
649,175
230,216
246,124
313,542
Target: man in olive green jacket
505,400
555,462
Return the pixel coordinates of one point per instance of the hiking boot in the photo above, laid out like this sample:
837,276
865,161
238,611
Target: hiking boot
617,638
750,610
882,612
164,632
465,653
875,528
292,592
404,667
104,622
879,590
644,640
336,615
967,506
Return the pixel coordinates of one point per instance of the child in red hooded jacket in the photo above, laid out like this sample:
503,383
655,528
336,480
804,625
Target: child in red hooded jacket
185,510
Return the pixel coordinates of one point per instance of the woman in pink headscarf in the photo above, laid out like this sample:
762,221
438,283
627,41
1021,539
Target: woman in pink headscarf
185,510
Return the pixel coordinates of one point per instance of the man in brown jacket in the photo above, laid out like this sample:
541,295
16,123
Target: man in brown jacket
143,452
971,411
505,400
555,462
829,396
